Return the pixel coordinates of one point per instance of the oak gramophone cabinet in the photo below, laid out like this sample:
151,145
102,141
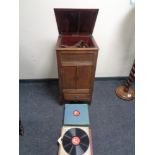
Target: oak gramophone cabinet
76,52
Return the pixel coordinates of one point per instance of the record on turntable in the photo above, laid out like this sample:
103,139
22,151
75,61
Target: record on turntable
75,141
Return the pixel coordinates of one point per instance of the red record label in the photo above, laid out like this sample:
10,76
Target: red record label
76,113
75,140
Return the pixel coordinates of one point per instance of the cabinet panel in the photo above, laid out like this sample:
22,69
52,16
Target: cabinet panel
70,57
68,76
84,77
77,91
77,59
77,97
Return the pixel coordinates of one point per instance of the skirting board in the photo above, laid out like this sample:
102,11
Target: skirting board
54,79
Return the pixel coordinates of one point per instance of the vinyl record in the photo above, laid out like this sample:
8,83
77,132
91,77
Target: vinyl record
75,141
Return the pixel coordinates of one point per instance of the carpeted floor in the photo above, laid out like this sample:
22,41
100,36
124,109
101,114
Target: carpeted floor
112,119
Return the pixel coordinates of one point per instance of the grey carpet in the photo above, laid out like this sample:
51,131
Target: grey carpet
112,119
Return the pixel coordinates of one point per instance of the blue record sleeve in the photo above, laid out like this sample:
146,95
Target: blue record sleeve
76,114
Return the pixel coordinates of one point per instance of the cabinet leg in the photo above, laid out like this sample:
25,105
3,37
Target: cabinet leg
61,100
89,102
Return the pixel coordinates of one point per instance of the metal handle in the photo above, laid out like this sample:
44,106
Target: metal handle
76,97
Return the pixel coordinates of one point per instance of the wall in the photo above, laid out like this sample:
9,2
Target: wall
114,33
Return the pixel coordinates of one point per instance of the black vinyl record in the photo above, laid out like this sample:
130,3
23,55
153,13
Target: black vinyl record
75,141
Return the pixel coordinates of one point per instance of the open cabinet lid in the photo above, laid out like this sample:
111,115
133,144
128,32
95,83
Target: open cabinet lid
75,21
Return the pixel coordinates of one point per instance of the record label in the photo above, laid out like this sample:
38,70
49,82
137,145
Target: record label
76,113
75,141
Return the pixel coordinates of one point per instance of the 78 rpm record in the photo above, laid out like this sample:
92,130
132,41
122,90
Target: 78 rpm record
75,141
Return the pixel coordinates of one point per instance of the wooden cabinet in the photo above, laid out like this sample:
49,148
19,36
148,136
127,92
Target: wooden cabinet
76,65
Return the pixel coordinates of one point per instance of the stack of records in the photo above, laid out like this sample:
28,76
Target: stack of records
76,138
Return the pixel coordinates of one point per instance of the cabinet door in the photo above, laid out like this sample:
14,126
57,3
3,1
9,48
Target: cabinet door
68,76
84,77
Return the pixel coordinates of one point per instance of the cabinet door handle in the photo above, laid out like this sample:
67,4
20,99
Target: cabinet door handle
76,97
